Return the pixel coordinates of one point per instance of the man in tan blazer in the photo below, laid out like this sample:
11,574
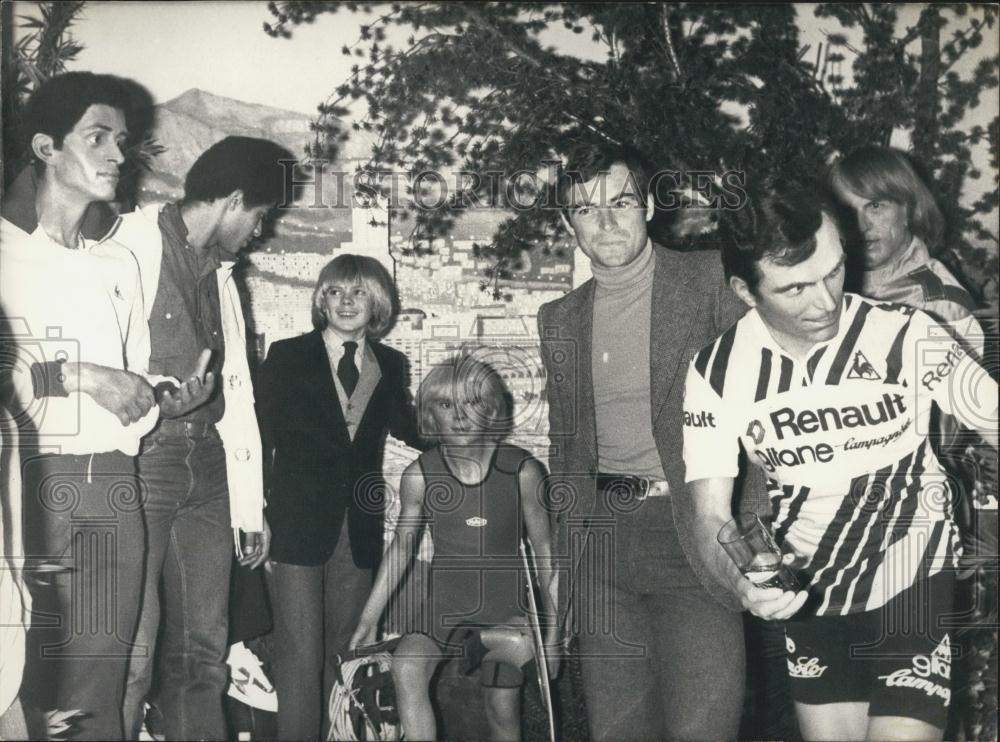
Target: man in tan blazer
661,644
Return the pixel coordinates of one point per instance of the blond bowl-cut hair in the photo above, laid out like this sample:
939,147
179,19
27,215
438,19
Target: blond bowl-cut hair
464,378
349,270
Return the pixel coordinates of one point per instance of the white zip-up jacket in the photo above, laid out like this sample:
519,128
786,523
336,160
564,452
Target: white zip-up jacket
140,233
72,305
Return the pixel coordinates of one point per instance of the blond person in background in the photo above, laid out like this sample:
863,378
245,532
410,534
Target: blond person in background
899,224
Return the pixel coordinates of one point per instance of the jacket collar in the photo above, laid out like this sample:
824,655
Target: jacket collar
674,291
914,256
321,379
18,207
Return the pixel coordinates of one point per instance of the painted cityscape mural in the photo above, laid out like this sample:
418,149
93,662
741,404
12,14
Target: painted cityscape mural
443,309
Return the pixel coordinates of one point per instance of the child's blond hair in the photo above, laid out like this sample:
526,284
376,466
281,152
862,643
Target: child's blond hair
466,379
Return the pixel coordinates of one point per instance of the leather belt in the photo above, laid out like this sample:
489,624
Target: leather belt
185,428
643,487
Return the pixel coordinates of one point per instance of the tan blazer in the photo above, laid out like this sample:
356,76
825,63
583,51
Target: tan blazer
691,306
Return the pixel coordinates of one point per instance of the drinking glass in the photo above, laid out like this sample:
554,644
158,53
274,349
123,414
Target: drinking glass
750,545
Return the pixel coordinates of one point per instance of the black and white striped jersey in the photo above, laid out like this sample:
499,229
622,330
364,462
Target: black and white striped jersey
856,491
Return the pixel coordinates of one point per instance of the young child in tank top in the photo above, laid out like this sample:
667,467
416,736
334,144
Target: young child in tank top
476,494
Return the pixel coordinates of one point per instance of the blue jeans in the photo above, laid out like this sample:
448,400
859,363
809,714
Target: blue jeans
316,610
186,593
84,543
660,658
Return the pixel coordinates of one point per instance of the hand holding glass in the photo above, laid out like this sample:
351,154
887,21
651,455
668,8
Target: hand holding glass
750,545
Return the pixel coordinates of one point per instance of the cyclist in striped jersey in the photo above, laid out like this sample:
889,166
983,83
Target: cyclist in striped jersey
831,395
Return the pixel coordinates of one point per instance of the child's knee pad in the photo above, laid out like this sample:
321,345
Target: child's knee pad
493,673
503,674
473,651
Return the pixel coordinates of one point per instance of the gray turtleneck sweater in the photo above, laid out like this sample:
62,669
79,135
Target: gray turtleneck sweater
622,303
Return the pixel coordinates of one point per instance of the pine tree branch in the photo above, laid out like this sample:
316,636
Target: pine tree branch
957,54
482,22
675,63
846,44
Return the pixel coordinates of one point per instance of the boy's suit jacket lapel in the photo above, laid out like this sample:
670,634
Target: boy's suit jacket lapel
370,390
368,381
320,378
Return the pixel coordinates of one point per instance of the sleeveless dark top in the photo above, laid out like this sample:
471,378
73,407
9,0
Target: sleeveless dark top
476,575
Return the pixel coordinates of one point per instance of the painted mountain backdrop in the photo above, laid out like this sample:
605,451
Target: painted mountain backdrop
190,123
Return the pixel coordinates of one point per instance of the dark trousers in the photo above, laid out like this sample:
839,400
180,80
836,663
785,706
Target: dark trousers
316,609
660,658
84,543
186,592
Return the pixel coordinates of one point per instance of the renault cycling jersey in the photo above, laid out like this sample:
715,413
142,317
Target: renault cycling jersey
856,491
